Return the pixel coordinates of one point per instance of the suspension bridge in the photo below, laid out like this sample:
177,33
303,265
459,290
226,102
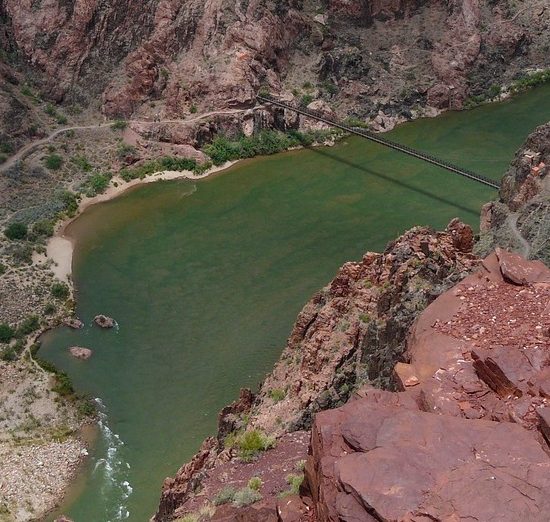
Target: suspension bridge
382,141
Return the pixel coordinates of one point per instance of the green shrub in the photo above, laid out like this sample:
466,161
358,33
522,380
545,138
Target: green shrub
16,230
330,88
306,99
277,394
250,443
6,148
43,228
193,109
82,163
3,158
50,309
50,110
263,91
307,85
8,354
255,483
29,325
2,268
53,161
21,253
531,80
69,201
60,290
150,167
124,151
224,496
61,119
294,481
119,125
97,184
6,333
63,385
245,497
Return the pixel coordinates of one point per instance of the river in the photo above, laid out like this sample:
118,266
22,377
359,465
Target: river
206,278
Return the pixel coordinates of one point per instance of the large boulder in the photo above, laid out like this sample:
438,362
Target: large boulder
80,352
104,322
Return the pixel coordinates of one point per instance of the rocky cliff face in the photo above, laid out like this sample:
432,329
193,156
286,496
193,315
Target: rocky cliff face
468,435
520,218
349,334
376,58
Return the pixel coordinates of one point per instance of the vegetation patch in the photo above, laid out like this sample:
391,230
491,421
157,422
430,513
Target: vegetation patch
277,394
53,161
150,167
249,444
294,481
60,291
16,230
222,149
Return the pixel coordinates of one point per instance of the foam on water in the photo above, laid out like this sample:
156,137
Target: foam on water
112,470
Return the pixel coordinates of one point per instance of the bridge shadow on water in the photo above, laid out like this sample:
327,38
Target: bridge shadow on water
403,184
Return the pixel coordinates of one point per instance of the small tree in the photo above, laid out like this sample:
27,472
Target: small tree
60,290
16,230
6,333
53,161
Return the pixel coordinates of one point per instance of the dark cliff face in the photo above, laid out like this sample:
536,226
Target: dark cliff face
520,218
385,57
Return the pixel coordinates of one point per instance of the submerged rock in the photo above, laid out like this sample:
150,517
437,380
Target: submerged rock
80,352
104,322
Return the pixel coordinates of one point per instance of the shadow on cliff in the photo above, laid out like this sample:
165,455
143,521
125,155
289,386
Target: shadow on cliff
334,157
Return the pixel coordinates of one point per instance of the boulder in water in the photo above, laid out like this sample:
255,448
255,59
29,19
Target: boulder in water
104,322
73,322
80,352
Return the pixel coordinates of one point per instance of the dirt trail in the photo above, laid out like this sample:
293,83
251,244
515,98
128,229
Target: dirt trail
27,149
512,221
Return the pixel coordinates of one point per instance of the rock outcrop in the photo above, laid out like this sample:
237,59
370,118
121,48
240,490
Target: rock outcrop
466,436
80,352
104,322
520,218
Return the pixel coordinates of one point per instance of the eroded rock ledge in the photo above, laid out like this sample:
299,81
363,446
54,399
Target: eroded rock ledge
464,433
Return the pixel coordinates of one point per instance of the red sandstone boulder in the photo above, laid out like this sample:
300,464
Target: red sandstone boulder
382,462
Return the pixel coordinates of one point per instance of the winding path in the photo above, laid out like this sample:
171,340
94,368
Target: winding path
27,149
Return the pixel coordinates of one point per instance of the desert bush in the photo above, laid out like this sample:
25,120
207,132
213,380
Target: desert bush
224,496
16,230
60,290
29,325
53,161
43,228
250,444
294,481
82,163
96,184
119,125
255,483
6,333
277,394
246,496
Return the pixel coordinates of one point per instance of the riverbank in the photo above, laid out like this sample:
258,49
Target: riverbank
60,248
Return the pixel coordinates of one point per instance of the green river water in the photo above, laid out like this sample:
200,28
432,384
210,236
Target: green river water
206,278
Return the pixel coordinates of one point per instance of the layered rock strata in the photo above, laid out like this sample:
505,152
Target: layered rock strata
468,435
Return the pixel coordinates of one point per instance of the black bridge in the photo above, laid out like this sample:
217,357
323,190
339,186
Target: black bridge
383,141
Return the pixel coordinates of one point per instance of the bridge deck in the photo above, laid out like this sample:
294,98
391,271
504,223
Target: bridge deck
384,141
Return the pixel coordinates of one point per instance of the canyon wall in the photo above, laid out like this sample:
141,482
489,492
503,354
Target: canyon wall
367,58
